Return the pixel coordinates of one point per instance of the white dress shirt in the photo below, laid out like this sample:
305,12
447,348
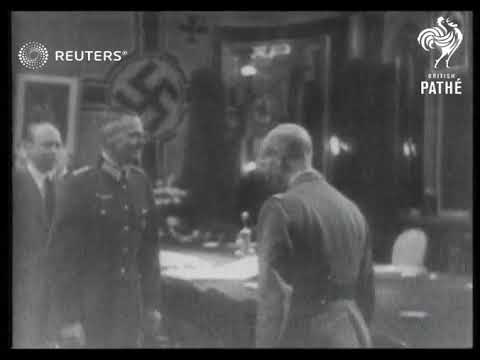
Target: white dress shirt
39,177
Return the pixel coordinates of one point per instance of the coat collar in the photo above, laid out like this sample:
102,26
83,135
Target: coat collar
112,168
38,176
305,176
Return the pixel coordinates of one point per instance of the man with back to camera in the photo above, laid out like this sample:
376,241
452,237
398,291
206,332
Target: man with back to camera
316,276
104,250
34,184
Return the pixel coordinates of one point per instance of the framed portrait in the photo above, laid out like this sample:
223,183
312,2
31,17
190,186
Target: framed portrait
47,98
94,94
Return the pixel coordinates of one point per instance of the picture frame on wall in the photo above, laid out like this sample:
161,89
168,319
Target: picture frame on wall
94,95
47,98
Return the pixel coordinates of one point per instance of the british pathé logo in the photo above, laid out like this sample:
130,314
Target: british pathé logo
441,84
445,37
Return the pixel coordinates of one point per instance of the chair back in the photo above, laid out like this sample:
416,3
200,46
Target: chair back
410,248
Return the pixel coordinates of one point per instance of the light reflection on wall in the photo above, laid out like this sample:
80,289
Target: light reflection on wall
409,148
356,36
337,146
249,167
248,70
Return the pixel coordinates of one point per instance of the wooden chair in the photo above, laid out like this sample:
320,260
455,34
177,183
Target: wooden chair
410,248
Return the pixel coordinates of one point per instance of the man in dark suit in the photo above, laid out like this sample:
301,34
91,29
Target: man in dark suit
104,249
33,207
316,277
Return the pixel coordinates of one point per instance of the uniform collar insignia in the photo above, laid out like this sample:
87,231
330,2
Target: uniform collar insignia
112,169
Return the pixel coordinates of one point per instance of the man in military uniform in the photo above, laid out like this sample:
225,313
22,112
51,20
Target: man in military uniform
104,249
316,278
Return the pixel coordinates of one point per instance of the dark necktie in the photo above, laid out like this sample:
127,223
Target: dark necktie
49,199
123,176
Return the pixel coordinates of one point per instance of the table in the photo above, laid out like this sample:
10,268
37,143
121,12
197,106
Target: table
225,310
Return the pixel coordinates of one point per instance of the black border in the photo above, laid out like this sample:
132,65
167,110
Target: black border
6,244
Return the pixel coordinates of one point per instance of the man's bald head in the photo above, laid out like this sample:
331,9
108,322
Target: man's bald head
38,129
42,144
285,150
288,141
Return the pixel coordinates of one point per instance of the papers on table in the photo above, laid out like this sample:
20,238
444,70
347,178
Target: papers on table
433,276
413,314
176,260
211,244
402,270
412,271
190,267
385,269
242,269
252,285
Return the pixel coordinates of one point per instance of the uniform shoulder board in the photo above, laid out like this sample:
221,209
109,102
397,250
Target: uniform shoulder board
81,170
137,170
278,196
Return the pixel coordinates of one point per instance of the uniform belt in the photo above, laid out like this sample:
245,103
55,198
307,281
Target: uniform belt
328,293
308,304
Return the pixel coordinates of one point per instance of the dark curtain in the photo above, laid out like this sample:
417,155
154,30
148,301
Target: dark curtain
363,116
209,172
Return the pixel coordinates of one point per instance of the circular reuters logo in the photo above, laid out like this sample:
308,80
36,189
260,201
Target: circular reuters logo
33,55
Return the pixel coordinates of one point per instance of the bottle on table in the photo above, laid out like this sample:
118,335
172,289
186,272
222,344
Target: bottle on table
244,236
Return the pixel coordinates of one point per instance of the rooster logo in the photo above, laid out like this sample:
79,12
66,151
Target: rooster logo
446,40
